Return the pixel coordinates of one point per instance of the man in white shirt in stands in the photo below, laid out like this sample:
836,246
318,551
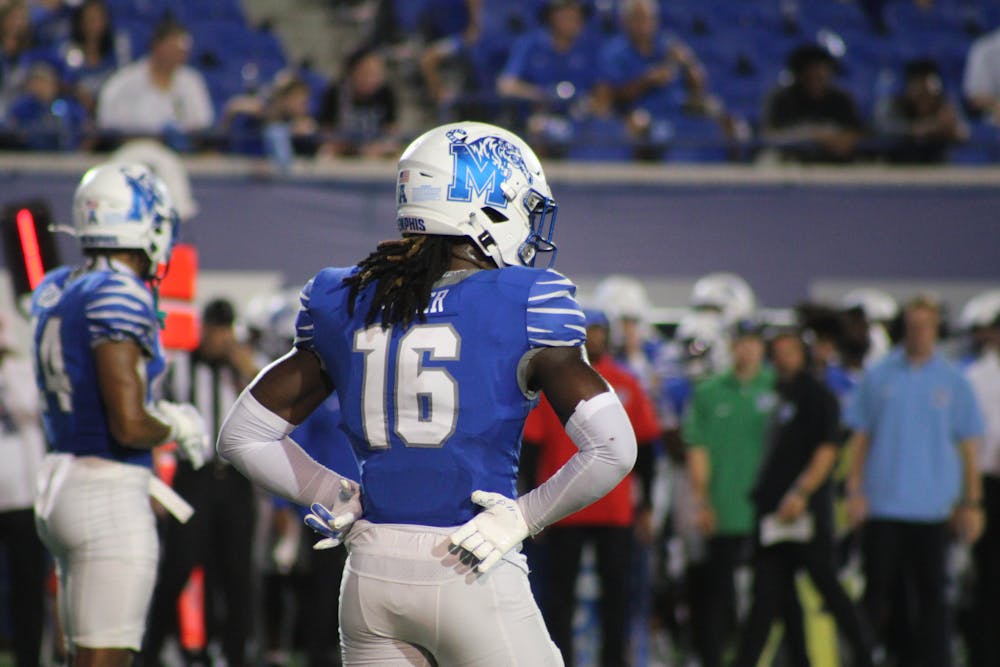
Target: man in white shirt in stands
981,81
158,92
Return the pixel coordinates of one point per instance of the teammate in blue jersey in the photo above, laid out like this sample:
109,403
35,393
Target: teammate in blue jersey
437,345
96,351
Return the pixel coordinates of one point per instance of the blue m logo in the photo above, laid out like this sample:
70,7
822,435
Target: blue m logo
481,167
475,174
144,195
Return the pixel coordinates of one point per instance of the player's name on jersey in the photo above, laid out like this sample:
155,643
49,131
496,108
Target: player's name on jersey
437,302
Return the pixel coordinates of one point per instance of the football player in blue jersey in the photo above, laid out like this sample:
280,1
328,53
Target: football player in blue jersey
437,345
96,351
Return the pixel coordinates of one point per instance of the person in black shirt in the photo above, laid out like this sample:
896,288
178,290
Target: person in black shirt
794,504
811,119
920,123
360,111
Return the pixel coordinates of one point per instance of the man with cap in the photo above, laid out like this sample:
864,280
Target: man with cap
608,523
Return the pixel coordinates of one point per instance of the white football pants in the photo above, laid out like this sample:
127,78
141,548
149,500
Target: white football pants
406,600
94,516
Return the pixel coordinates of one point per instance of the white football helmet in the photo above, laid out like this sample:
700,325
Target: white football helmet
878,305
125,207
623,296
726,293
982,310
480,181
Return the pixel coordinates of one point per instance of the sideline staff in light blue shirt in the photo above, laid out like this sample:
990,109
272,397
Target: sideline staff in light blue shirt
916,430
920,421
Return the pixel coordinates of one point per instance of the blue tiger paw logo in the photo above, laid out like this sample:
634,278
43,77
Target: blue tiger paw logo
482,166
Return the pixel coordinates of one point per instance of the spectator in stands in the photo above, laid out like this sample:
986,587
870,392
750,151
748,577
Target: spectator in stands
921,121
914,477
984,374
460,70
725,430
88,56
811,119
40,119
608,524
793,498
15,41
157,94
361,111
247,118
981,84
647,73
50,22
551,72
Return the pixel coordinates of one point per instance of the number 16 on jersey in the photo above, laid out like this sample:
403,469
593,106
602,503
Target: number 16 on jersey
425,399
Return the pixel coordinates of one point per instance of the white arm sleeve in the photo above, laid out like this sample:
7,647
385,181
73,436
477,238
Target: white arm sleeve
256,442
601,429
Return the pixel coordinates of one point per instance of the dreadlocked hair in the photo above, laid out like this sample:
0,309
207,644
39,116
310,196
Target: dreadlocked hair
404,271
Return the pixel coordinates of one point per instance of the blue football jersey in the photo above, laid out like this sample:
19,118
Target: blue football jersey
436,410
71,313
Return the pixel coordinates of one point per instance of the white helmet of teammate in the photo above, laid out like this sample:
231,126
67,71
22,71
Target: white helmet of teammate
125,207
623,297
878,305
982,310
727,293
480,181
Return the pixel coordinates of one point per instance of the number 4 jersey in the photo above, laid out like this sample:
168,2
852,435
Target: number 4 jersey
72,312
436,410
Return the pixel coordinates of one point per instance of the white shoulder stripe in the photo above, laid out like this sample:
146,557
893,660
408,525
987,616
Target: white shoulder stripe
556,343
116,315
127,286
561,281
122,301
538,330
575,327
551,295
557,311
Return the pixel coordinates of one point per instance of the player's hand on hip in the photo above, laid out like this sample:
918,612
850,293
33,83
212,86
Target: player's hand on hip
334,522
494,531
187,429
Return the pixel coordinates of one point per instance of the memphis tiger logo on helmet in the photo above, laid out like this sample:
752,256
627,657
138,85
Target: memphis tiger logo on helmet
479,181
483,166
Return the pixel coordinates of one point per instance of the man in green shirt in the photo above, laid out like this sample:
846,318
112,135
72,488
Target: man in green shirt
726,428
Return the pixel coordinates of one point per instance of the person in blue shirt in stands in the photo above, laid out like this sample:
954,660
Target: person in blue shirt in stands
40,119
437,345
914,480
553,69
647,69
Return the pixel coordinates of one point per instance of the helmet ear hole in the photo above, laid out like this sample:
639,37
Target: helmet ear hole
494,215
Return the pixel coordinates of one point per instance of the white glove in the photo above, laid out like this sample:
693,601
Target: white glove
187,429
334,523
494,531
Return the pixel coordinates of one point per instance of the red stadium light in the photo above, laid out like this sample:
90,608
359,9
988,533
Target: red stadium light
29,247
